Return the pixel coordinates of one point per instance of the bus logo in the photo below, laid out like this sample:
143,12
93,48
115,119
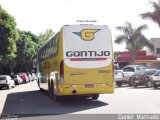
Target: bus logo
87,34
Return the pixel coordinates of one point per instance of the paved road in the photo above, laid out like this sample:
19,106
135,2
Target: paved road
26,99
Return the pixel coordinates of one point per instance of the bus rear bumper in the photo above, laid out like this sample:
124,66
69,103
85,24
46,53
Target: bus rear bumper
86,89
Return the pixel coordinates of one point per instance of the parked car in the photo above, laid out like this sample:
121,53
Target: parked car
155,78
34,77
24,77
118,77
17,79
29,77
142,77
129,70
6,82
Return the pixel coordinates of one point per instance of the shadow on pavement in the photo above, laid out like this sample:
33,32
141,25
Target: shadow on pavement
36,103
138,87
123,86
152,88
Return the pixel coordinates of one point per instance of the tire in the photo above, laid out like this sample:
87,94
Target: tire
14,85
119,84
51,93
148,84
130,83
135,85
38,83
8,87
49,85
155,86
95,96
51,90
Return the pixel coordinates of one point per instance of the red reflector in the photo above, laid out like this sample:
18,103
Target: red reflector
87,59
89,85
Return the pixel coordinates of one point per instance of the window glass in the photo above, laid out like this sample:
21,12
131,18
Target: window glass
158,50
50,49
2,78
128,69
157,73
151,72
55,45
138,68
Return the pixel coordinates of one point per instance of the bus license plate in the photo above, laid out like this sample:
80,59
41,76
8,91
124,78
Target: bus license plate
89,85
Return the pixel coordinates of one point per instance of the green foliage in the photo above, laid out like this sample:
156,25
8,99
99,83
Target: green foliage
43,37
155,14
8,35
26,50
18,48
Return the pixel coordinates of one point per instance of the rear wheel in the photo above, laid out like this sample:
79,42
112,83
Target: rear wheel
119,84
51,89
18,83
135,85
8,87
130,83
148,84
51,93
38,83
95,96
155,86
14,85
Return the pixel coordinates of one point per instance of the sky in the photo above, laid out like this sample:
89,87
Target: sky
39,15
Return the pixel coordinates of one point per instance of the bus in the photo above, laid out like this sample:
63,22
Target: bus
78,60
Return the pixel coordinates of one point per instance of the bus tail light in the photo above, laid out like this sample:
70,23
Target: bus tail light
62,71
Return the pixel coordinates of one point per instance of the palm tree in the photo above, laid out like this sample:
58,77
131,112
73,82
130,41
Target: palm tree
155,15
133,38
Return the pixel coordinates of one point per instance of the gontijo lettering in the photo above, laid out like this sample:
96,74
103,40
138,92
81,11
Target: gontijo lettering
87,53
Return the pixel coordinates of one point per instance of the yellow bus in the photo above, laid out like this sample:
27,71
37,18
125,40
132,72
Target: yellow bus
78,60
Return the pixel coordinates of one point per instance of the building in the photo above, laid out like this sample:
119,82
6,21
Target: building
156,43
142,56
124,58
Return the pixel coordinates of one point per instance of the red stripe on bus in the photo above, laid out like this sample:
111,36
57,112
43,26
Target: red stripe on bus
87,59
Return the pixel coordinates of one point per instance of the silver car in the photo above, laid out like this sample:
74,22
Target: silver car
6,82
119,77
17,79
155,79
129,70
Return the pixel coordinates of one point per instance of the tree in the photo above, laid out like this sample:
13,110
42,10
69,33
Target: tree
133,38
155,14
26,51
43,37
27,48
8,35
8,38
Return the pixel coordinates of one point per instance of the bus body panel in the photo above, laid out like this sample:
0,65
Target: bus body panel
88,76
